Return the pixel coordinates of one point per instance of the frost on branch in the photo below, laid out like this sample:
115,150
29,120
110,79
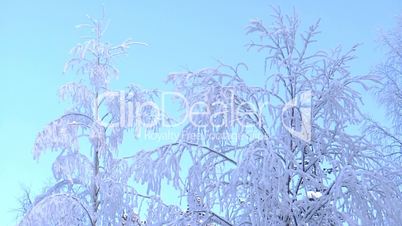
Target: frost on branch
94,58
80,94
60,134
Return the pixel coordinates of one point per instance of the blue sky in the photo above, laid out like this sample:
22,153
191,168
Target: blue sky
36,37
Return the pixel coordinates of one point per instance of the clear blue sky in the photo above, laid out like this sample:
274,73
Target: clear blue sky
36,36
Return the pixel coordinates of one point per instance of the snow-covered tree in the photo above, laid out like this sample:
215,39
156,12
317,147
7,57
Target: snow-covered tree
389,93
387,135
91,183
282,153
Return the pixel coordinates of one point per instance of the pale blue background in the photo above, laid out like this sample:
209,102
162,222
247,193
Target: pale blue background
36,36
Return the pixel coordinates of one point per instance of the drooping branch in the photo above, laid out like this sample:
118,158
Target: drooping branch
51,197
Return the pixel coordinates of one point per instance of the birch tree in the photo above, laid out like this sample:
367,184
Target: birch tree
389,92
283,153
91,182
